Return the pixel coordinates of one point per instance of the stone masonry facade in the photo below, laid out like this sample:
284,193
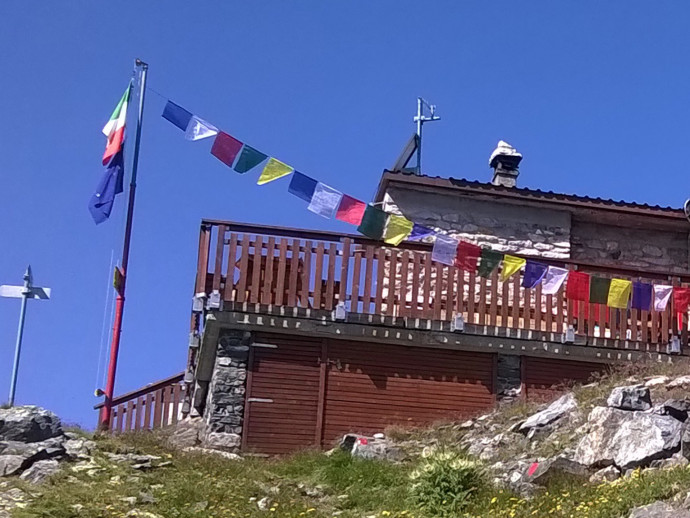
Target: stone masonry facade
224,410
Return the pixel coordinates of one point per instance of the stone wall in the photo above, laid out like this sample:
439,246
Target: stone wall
503,227
224,410
654,250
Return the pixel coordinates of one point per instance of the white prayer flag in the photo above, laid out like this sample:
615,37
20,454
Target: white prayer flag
198,129
445,249
325,200
661,295
553,280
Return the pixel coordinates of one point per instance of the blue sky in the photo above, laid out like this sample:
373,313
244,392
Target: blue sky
594,94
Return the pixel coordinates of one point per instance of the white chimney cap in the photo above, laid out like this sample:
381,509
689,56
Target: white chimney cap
505,149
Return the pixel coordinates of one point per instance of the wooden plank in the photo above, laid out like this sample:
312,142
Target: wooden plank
392,275
139,413
158,408
202,263
591,320
229,293
604,321
303,295
323,366
176,392
248,393
439,267
493,306
330,283
119,417
515,280
404,283
427,311
255,288
472,317
244,269
130,411
449,302
644,322
356,275
656,317
416,281
537,307
294,273
634,324
344,266
282,270
481,307
368,273
505,301
218,268
527,308
560,308
318,275
267,293
147,412
380,270
548,301
165,400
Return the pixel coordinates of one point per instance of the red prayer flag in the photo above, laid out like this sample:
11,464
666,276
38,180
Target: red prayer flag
578,286
467,256
350,210
681,299
225,148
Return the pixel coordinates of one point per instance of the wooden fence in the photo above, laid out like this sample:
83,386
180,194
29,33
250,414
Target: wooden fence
153,406
311,269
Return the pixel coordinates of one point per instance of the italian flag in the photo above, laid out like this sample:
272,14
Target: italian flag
114,130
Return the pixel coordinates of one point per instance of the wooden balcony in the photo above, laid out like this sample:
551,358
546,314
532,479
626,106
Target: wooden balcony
274,266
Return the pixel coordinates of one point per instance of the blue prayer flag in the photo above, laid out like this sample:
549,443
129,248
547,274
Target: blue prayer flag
302,186
111,183
419,232
177,115
641,296
534,273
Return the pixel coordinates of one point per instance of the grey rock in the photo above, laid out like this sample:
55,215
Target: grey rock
608,474
223,441
208,451
187,433
40,471
79,448
555,411
659,510
370,448
11,465
627,439
657,381
557,466
28,424
633,397
677,408
680,382
677,460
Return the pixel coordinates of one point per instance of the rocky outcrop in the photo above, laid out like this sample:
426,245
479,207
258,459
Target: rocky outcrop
634,397
555,411
28,424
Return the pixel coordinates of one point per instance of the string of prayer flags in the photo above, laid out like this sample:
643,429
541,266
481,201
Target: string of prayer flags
225,148
534,273
373,222
511,265
553,280
249,159
397,229
662,294
302,186
198,129
641,296
619,293
578,286
488,262
445,249
467,256
273,170
351,210
599,289
419,232
325,201
681,299
177,115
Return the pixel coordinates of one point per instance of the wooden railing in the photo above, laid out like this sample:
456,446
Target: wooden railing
153,406
312,269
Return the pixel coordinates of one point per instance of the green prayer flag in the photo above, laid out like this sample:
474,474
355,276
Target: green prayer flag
488,261
373,222
249,159
599,289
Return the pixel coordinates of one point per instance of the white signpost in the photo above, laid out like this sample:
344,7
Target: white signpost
26,292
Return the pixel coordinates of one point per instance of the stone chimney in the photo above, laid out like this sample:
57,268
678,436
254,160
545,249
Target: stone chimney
505,161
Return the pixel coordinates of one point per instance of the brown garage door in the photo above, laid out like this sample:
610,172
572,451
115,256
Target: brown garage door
545,377
371,386
281,410
302,391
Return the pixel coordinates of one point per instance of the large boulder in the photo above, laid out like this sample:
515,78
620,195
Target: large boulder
541,473
677,408
658,510
28,424
634,397
627,439
40,471
555,411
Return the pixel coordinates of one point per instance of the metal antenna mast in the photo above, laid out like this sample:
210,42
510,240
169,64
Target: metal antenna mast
420,119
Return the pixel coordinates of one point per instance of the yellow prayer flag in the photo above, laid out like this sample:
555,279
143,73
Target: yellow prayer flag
273,170
619,293
511,265
398,228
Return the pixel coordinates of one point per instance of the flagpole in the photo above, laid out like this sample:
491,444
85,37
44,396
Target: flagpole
141,69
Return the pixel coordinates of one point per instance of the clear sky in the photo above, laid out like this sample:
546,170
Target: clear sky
594,94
